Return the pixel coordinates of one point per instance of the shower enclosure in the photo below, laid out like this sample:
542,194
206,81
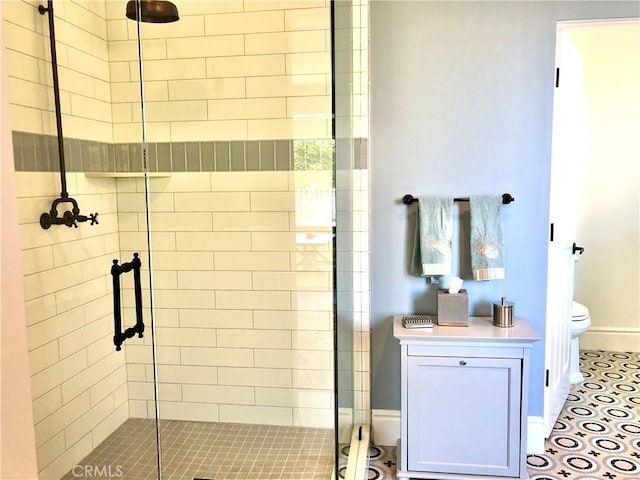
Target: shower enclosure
223,151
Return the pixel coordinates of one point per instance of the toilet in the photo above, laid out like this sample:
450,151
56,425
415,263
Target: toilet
580,323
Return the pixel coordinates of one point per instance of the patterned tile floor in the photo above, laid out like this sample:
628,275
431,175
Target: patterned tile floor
597,436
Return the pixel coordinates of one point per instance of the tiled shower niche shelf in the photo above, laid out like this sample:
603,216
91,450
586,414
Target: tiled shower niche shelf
126,174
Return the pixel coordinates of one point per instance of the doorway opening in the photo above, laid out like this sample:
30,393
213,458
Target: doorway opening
594,194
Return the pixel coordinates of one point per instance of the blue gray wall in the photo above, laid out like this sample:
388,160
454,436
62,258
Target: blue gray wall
461,104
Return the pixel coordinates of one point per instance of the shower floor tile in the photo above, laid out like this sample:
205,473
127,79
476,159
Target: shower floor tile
211,451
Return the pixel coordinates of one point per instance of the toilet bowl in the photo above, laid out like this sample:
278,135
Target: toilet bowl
580,323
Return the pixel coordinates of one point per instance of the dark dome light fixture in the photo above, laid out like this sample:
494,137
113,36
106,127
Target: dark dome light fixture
153,11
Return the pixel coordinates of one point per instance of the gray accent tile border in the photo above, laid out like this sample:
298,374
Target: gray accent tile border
39,153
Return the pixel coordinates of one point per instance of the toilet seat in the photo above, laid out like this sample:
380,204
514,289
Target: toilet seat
579,312
581,321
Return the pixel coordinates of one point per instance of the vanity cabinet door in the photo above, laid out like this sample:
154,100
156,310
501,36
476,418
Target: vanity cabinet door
463,415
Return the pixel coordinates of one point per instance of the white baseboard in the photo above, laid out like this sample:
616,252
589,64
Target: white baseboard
535,435
611,339
385,430
385,427
345,425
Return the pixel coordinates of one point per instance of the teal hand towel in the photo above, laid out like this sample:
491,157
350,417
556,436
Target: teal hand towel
432,245
487,245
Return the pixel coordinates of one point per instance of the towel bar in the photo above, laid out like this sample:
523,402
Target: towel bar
409,199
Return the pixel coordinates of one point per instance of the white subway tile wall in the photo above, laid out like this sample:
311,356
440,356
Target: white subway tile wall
242,271
232,70
79,383
239,333
249,316
83,67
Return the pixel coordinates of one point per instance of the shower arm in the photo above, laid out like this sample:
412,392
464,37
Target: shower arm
70,217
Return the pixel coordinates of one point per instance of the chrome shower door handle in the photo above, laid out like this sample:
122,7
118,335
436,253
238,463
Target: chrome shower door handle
120,336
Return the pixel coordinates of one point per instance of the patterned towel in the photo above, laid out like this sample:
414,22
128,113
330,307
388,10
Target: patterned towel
487,249
432,245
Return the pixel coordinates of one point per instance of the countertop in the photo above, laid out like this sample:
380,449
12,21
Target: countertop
479,328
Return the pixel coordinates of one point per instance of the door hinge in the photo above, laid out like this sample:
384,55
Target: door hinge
546,380
557,77
551,233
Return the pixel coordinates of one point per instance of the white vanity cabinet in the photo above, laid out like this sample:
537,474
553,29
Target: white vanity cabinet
464,400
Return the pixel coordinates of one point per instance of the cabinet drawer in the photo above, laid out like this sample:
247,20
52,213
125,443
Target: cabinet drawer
435,350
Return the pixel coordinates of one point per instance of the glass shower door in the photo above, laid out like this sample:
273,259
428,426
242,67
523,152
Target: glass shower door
219,174
237,114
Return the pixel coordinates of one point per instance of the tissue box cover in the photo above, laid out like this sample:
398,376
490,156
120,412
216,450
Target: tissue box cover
453,308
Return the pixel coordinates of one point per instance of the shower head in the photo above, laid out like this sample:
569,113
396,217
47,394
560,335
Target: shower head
153,11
